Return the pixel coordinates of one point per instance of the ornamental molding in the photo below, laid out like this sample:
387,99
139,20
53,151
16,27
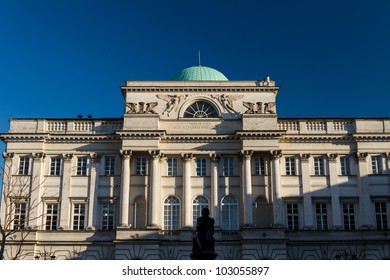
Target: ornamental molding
305,157
361,156
276,154
67,157
246,154
38,156
126,154
141,108
8,156
260,108
333,157
214,157
156,154
272,89
187,156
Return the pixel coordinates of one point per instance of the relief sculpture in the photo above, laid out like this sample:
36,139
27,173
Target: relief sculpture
258,108
227,101
140,108
173,102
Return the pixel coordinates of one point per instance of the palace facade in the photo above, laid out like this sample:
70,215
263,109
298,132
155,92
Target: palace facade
133,187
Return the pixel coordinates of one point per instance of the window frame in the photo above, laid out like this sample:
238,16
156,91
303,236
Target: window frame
198,204
172,166
109,165
349,215
20,212
172,213
51,219
228,167
55,166
260,166
229,213
290,165
319,166
381,218
82,166
201,167
376,165
345,165
292,216
24,165
321,215
141,166
79,220
107,218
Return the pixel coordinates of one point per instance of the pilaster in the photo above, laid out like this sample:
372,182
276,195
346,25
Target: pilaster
363,190
247,188
214,207
308,214
277,190
125,189
335,191
154,205
187,205
35,209
65,192
93,199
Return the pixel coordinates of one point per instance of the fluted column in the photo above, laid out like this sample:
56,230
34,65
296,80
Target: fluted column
363,189
247,188
35,195
93,194
214,204
65,192
308,212
154,205
334,191
125,189
277,189
187,202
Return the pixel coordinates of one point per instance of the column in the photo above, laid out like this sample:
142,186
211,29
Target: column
65,192
308,215
125,189
334,191
154,205
214,203
277,188
35,209
247,188
363,190
7,177
93,194
187,199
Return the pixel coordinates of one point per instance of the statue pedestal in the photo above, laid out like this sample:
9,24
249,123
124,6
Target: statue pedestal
203,256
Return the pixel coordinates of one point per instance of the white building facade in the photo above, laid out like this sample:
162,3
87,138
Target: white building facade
132,187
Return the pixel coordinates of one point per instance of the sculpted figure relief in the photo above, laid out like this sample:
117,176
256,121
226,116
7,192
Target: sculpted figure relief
140,108
269,108
227,101
173,102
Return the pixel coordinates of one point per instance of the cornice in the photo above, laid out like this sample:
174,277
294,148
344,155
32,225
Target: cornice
204,89
258,134
140,134
322,138
198,138
24,137
377,137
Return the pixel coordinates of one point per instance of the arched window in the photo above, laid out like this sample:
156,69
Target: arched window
229,213
171,213
198,204
200,109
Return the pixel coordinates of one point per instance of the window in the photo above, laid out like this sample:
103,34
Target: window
20,215
198,204
345,165
376,163
79,216
292,216
290,166
200,167
319,166
82,166
171,213
51,216
108,216
349,215
381,215
172,166
227,166
229,213
200,109
55,166
140,166
259,166
24,165
321,216
109,166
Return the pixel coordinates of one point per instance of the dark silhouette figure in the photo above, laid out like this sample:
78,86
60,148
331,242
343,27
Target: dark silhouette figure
203,243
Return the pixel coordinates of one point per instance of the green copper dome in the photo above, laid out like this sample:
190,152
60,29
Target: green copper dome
199,73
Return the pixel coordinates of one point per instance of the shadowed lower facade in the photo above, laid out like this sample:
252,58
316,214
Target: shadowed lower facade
133,187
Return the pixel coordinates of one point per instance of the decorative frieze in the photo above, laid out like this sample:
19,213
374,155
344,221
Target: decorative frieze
173,102
141,108
227,101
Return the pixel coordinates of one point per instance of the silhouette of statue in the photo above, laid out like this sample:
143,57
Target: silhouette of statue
203,243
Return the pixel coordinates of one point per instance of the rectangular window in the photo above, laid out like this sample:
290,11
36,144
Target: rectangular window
292,216
140,166
227,166
172,166
319,166
345,165
24,165
200,167
321,216
381,215
349,215
20,215
109,166
51,216
376,163
108,216
259,166
55,166
79,216
290,166
82,166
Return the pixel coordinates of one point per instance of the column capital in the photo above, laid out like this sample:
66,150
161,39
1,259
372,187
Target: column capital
276,154
361,156
94,157
214,157
332,157
67,157
305,157
126,154
38,156
247,154
187,156
8,156
156,154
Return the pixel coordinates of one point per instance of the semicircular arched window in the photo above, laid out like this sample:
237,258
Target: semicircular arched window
200,109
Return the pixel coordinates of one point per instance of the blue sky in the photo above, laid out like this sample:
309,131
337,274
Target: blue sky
67,57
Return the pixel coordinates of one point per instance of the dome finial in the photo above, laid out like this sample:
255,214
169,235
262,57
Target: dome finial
198,57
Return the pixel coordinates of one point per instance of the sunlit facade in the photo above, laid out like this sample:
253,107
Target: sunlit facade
132,187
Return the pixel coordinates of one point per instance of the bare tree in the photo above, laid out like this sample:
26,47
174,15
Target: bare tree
19,208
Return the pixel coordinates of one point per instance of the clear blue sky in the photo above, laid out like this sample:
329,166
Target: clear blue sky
67,57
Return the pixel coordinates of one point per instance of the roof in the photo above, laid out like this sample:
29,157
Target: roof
199,73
